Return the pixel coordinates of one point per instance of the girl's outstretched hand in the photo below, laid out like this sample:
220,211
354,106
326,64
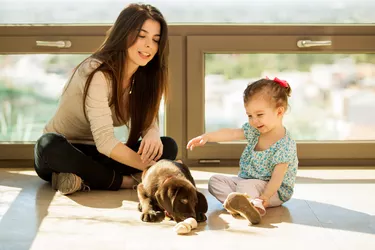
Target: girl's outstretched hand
197,142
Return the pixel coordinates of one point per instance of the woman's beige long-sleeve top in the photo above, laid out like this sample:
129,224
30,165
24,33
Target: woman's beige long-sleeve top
69,119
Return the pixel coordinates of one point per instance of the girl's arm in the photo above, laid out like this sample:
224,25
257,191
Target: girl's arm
275,182
221,135
225,134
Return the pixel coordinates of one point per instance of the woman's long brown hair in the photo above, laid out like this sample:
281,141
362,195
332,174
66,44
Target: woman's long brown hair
150,81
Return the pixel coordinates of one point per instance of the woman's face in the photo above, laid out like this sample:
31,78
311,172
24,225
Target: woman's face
146,45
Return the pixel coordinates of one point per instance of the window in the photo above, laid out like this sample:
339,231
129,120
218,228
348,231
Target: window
332,94
331,107
30,87
203,35
193,11
19,46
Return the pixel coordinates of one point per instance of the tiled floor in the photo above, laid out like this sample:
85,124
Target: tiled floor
331,209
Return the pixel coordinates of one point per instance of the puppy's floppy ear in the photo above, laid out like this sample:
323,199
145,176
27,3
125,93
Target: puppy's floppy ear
162,199
166,196
201,207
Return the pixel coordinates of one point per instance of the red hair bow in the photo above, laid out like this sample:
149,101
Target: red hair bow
283,83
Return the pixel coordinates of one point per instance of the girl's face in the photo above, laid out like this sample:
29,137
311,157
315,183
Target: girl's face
263,114
146,45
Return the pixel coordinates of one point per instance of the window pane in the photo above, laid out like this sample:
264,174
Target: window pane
332,94
193,11
30,86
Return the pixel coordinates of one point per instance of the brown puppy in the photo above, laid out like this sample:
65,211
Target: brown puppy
168,187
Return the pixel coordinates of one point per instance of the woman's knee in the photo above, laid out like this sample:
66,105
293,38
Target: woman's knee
48,141
170,148
45,144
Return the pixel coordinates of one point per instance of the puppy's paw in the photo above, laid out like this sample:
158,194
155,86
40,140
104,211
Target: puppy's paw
153,216
201,217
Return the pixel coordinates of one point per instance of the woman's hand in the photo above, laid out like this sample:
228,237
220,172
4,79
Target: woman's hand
151,148
197,142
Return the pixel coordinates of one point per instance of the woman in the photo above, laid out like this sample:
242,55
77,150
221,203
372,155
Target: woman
122,83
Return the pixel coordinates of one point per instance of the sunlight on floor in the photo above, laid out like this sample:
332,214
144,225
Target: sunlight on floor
330,209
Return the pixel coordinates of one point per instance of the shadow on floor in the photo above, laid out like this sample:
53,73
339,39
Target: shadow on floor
299,211
20,224
104,199
305,180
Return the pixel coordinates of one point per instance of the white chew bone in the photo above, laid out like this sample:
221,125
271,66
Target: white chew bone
185,226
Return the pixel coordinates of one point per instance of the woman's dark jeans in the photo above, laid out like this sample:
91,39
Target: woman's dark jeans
53,153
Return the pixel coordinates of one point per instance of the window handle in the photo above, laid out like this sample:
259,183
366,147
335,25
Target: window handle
58,44
309,43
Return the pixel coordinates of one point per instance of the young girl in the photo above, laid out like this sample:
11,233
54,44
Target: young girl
120,83
269,163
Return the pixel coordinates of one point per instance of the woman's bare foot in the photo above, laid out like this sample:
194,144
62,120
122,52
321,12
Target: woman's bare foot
127,182
131,181
137,177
